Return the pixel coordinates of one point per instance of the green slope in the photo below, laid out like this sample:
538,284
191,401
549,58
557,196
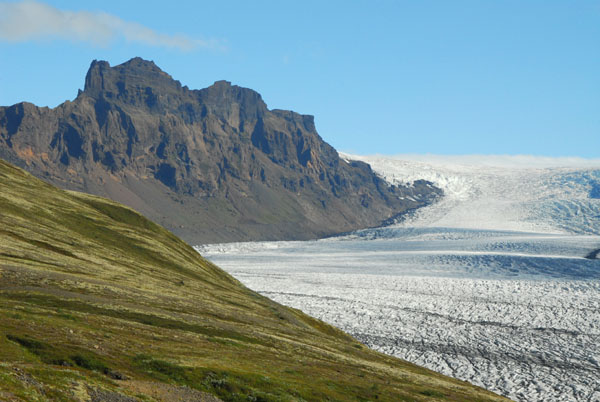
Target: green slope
98,303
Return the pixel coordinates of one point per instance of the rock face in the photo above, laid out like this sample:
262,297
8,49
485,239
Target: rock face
211,165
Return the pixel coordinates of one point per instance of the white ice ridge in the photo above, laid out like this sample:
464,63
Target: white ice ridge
520,193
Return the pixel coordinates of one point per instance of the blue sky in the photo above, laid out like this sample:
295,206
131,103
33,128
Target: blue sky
389,77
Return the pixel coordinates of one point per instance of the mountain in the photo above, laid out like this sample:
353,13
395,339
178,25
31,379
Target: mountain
98,303
211,165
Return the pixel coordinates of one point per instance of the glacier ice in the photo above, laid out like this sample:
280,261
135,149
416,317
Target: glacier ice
509,193
489,285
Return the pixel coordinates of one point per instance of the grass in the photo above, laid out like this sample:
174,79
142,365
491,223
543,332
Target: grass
95,297
61,355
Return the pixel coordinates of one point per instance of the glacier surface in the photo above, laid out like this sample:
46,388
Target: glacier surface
489,285
505,193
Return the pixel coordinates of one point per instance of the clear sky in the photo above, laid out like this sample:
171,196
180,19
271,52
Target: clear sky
389,77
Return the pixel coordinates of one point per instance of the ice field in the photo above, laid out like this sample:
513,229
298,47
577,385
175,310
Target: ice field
512,305
502,192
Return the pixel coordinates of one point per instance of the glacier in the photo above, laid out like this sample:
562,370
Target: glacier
491,284
521,193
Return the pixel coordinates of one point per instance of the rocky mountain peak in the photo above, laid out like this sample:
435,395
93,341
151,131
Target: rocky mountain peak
212,165
136,81
222,97
223,84
94,79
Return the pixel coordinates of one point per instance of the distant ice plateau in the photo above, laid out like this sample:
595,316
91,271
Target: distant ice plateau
489,285
521,193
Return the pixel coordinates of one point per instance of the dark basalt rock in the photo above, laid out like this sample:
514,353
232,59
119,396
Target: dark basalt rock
212,165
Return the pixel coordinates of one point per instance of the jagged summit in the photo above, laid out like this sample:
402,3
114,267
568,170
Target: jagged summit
142,83
135,71
136,81
222,84
222,96
212,165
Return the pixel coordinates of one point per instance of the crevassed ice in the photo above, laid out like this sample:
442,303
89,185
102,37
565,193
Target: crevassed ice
501,193
489,285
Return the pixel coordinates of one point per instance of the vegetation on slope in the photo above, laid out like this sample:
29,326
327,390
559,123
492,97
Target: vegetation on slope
98,303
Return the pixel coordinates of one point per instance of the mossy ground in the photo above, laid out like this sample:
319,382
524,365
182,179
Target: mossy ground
95,297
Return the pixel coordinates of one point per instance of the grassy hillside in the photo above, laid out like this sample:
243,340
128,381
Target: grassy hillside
97,303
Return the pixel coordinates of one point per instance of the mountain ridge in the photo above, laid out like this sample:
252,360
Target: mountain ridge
211,165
